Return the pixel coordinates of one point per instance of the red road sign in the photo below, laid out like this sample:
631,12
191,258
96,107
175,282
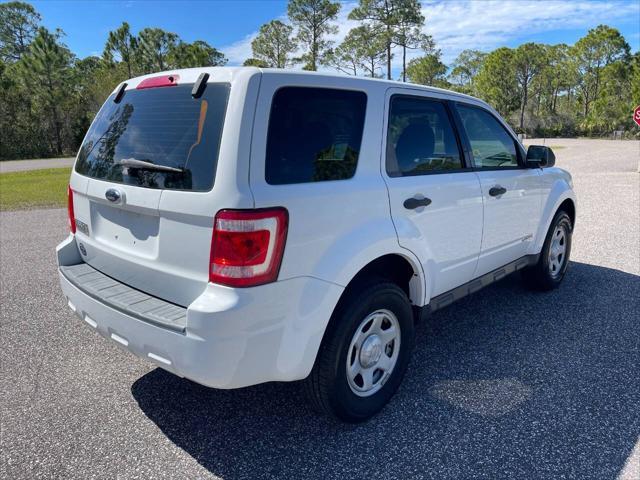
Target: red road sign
636,115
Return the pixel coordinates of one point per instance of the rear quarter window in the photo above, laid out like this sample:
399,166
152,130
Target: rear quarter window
314,135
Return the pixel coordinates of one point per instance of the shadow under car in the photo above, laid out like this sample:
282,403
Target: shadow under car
504,383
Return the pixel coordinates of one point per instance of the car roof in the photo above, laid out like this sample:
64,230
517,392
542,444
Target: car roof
189,75
367,80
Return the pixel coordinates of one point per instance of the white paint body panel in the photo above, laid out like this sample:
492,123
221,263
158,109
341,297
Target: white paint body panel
446,235
508,236
239,337
556,187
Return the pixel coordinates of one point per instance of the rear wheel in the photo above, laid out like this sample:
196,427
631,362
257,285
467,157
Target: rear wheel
364,354
554,258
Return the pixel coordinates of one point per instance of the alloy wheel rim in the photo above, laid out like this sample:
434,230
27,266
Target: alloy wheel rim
557,251
373,353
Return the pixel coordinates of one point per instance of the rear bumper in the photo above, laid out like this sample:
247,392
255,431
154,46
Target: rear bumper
233,337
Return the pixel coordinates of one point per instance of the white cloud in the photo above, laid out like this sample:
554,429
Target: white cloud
239,51
456,25
483,25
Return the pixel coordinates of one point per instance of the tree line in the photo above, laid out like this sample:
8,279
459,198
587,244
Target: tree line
48,96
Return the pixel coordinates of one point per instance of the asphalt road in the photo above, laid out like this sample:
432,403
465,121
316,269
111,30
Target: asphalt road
23,165
505,384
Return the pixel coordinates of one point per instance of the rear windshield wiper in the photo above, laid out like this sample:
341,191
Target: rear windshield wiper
132,162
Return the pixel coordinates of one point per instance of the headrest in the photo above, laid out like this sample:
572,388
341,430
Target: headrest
416,142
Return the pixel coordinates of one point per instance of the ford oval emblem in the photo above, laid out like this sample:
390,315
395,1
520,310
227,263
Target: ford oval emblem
113,195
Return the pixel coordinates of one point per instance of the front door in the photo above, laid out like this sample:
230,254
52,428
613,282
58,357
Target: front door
511,192
436,201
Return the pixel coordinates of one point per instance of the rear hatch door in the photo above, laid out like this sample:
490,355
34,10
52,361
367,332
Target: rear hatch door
145,216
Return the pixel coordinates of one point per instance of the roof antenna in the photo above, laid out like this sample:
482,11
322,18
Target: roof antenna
120,93
200,85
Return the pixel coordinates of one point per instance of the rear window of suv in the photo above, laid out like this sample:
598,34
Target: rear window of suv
314,135
166,127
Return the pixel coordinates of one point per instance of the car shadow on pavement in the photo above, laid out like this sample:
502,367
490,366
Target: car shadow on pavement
505,383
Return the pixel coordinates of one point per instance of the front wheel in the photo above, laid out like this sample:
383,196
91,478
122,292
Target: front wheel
554,258
364,354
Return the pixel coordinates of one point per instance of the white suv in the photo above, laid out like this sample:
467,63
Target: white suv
237,225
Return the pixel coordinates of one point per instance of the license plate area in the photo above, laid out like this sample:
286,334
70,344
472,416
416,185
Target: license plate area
128,231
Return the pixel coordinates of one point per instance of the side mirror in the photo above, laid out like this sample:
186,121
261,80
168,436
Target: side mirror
539,156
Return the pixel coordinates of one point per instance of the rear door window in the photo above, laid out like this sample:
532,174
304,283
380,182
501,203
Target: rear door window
165,127
420,138
314,135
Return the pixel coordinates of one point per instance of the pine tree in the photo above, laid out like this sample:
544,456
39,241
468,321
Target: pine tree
46,69
313,20
123,45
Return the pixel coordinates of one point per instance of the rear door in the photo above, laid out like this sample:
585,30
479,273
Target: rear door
436,201
511,192
145,216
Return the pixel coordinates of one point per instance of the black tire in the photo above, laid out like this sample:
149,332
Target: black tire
328,388
542,276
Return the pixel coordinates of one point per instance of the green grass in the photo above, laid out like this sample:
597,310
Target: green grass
34,189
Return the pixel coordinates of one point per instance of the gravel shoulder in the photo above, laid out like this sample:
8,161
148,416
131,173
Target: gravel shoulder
504,384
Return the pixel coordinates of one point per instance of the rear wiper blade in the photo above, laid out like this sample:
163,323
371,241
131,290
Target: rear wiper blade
132,162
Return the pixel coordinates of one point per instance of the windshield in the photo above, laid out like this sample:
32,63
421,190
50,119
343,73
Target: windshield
157,138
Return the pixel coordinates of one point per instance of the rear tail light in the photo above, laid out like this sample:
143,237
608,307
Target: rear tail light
72,217
247,246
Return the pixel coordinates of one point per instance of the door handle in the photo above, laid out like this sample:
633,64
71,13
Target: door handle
497,190
413,203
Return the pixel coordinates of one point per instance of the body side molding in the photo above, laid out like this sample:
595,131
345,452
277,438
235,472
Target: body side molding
476,284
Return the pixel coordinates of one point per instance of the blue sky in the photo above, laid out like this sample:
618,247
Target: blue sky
230,25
